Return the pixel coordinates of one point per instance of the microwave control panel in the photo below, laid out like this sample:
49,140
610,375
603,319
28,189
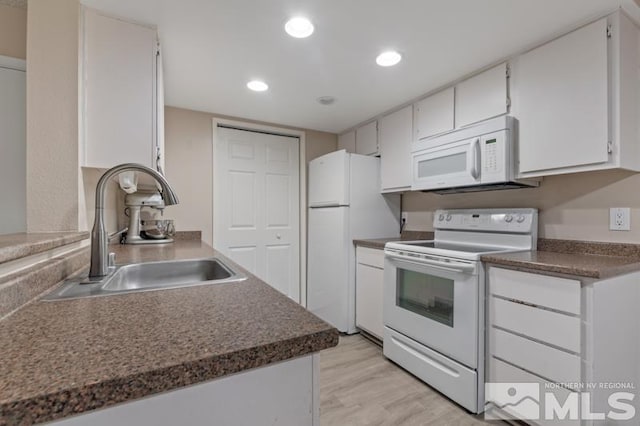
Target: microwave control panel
493,157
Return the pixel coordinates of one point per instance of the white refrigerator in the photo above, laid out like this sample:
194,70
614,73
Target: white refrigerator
345,203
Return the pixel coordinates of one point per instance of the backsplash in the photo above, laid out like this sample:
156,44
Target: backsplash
573,206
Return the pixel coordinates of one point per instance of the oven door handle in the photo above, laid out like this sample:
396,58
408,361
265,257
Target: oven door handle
438,264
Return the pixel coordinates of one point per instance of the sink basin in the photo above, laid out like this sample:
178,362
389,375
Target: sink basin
150,276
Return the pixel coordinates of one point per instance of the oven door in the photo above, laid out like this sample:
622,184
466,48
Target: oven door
434,302
447,166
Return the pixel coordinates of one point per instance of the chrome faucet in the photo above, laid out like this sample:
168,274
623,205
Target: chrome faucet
99,237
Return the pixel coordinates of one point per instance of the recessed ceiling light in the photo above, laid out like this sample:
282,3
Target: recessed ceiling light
257,85
388,58
299,27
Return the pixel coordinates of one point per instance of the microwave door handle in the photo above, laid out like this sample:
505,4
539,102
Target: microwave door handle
473,158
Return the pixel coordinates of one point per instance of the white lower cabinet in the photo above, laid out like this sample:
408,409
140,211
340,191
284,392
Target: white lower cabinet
283,394
369,290
562,347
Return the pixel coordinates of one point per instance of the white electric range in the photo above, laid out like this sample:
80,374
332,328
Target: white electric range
434,293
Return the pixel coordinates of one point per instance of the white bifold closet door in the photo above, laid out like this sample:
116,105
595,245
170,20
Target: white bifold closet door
256,205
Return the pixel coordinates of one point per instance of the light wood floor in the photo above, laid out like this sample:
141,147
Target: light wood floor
359,386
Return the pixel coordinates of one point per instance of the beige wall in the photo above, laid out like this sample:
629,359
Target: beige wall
574,206
189,165
54,187
13,32
188,158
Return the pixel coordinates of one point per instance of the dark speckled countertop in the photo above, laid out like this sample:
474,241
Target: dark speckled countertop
378,243
65,357
589,259
577,264
15,246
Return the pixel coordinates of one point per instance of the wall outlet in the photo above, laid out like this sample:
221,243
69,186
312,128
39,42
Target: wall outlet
404,216
620,219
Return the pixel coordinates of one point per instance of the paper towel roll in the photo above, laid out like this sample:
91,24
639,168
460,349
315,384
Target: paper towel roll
128,182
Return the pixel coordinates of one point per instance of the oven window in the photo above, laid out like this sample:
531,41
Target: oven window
426,295
455,163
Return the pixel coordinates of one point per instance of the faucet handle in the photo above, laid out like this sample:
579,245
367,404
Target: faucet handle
112,259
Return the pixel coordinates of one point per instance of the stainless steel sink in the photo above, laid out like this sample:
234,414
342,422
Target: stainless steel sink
150,276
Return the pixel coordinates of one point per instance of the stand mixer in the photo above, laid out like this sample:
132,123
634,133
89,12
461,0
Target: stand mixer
135,234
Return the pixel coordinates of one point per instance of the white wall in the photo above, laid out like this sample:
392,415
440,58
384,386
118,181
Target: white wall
13,44
574,206
13,175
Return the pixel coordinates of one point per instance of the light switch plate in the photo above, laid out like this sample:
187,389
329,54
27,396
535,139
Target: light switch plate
620,219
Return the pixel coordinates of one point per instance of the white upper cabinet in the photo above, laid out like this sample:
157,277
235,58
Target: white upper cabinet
120,92
395,131
347,141
367,139
434,114
576,99
561,100
482,96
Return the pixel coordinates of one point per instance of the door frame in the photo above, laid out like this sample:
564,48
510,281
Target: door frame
302,165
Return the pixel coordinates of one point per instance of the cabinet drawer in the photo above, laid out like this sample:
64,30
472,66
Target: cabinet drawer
440,372
371,257
502,376
549,327
543,290
544,360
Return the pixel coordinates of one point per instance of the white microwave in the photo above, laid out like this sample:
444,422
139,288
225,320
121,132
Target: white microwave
476,158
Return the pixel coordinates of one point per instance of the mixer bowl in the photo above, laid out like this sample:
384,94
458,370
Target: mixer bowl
158,228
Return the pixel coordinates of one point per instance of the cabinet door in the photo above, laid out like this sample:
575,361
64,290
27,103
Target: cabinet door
367,139
434,115
347,141
369,290
395,150
119,67
482,96
561,99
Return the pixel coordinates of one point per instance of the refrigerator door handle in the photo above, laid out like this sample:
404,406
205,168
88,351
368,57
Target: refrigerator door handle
325,204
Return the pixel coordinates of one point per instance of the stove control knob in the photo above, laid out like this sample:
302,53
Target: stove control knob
441,217
449,217
508,218
520,219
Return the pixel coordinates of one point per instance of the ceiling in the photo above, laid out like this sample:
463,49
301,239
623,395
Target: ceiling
212,48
